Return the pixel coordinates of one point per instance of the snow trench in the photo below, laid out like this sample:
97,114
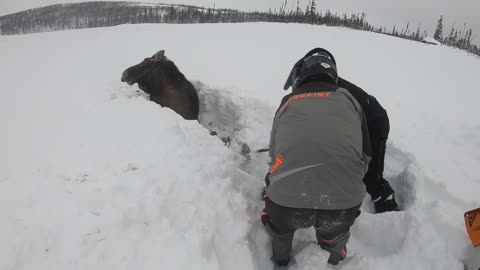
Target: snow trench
243,125
166,189
247,122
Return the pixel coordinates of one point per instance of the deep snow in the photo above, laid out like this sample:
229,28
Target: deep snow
94,176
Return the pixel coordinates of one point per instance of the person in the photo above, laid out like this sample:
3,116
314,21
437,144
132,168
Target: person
378,124
320,152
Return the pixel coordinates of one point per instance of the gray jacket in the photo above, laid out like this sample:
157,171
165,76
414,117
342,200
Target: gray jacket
319,150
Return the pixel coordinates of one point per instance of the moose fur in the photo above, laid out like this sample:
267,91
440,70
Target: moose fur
162,80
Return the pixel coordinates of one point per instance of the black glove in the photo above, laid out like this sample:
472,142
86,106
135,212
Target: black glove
383,197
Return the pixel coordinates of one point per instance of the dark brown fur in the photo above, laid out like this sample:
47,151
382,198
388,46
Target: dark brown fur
162,80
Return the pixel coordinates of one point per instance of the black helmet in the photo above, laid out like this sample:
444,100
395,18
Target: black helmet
317,64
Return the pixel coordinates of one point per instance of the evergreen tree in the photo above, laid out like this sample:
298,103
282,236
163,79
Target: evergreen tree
450,40
284,7
439,30
299,11
417,34
425,34
458,39
313,8
469,39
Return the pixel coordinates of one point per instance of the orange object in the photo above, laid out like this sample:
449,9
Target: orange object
278,162
472,222
306,95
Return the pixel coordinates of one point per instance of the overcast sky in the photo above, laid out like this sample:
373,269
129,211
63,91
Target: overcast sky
380,12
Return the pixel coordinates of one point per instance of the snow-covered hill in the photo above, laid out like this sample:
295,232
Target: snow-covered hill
94,176
381,13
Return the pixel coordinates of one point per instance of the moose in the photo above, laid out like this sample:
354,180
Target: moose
162,80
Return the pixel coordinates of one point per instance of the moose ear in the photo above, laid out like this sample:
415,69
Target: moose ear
158,56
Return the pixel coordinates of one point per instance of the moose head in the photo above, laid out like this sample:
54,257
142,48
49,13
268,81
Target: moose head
162,80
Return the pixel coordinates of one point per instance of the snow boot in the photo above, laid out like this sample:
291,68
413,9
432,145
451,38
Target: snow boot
336,247
383,197
283,264
280,265
387,204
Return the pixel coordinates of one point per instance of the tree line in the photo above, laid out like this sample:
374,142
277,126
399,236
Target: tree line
459,38
103,14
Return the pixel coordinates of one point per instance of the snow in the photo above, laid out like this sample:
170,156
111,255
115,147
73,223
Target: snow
431,40
95,176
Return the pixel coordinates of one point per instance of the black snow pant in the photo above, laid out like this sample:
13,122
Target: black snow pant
332,229
378,130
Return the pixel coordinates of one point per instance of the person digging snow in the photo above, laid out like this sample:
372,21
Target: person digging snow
320,151
378,124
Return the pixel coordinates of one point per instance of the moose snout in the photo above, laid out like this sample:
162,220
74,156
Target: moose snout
124,76
126,79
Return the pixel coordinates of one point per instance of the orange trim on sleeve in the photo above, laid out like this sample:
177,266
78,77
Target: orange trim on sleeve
278,162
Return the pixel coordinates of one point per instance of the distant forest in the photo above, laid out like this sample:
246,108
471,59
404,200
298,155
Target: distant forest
103,14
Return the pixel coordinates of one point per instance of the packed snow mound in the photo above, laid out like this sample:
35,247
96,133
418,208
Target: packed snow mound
430,40
95,176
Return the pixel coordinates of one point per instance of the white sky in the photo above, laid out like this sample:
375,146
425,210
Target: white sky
380,12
